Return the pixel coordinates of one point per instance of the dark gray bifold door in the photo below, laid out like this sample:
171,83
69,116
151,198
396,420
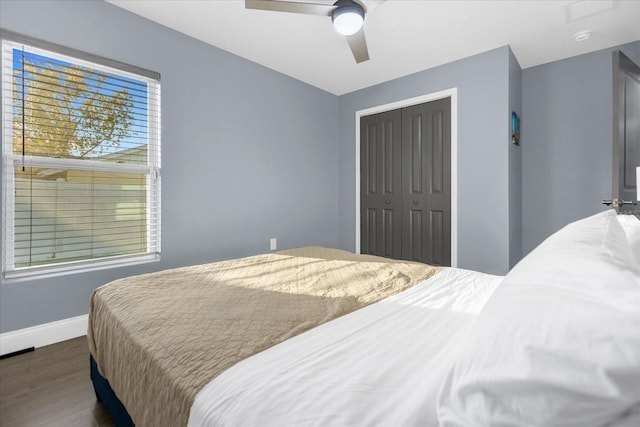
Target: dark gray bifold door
626,132
426,176
380,175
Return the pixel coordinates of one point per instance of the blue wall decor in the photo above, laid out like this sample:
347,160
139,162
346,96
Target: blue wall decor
515,128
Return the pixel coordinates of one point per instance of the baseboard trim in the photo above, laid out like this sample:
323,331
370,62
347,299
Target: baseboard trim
45,334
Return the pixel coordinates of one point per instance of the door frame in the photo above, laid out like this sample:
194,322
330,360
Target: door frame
451,93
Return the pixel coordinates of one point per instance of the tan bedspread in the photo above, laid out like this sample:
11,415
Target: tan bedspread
159,338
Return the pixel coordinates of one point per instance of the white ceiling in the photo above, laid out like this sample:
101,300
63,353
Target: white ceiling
403,36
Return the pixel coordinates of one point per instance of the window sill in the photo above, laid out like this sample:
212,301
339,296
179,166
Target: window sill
44,272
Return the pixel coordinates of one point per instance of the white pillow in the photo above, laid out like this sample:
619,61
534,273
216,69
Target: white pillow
558,343
631,226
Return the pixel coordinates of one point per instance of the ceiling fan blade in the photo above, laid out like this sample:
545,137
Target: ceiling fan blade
290,6
358,45
369,5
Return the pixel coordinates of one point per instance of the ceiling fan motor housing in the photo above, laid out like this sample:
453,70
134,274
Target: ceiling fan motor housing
347,17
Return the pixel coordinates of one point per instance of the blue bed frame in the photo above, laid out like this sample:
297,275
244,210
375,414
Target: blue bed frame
106,395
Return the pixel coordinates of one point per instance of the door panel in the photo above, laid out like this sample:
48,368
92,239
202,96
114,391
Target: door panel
415,160
370,164
437,154
389,172
370,230
626,132
416,249
390,232
438,232
381,184
427,166
414,199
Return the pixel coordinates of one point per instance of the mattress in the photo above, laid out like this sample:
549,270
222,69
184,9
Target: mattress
379,366
159,338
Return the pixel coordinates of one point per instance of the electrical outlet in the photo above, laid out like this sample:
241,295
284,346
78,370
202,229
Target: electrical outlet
273,243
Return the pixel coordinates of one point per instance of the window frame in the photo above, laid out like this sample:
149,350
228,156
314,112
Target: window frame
10,160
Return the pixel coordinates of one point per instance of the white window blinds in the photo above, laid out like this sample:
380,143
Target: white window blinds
81,161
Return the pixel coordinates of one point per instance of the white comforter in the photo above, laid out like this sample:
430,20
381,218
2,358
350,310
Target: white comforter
381,365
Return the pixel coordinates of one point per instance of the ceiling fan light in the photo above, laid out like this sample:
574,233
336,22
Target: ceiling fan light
347,17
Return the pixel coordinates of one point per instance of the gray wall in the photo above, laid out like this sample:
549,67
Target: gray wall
515,164
250,154
247,153
483,143
567,132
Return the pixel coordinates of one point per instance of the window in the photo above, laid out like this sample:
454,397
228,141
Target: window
81,160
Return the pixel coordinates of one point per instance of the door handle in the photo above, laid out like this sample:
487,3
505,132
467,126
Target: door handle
617,203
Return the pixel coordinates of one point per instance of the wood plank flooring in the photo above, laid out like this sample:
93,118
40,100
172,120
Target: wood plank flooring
50,387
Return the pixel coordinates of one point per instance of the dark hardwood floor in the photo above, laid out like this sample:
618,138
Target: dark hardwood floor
50,387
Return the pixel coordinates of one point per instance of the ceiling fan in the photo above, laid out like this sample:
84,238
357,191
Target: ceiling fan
347,17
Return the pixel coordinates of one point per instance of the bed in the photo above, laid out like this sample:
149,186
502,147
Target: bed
555,342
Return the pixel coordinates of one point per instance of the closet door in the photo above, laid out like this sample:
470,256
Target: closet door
426,176
381,184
